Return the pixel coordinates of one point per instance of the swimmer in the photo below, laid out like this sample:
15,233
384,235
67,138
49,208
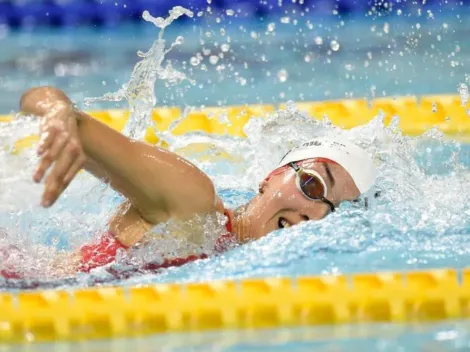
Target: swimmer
309,183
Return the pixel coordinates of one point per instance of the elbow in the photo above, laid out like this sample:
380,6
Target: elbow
210,200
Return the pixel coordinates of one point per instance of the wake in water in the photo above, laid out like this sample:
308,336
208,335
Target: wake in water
421,217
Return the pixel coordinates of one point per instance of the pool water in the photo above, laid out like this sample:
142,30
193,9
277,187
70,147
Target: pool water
450,336
264,61
421,221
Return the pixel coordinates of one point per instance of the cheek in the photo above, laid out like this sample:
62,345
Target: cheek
290,194
271,205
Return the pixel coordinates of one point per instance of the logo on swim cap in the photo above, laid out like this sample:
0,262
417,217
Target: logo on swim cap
318,143
355,160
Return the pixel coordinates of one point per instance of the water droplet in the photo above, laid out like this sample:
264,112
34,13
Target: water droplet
208,34
285,20
254,35
200,14
194,61
271,27
206,52
225,47
386,28
146,15
318,40
399,12
308,57
222,31
445,26
282,75
230,12
463,92
214,59
103,83
418,26
179,40
334,45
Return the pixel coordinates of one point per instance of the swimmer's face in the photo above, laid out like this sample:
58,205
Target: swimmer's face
281,204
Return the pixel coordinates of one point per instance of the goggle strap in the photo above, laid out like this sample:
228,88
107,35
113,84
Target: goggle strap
295,167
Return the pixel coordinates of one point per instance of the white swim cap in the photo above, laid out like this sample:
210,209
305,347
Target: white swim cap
355,160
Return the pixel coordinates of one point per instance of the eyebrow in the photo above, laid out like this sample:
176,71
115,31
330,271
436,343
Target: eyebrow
329,174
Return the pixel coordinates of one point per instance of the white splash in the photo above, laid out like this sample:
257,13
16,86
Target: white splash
140,90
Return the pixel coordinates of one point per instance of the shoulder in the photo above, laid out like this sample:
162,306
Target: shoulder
195,194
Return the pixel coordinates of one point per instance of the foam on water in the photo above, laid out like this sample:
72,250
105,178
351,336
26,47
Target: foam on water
421,218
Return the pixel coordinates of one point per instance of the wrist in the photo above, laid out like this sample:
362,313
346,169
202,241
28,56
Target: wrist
46,102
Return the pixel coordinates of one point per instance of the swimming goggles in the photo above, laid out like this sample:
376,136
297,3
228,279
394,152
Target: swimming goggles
309,182
311,185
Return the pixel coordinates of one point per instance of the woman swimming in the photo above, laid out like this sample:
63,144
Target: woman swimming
310,182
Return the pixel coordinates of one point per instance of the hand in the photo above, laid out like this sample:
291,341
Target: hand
61,154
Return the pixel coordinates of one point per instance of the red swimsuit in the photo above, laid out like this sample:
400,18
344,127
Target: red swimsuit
105,251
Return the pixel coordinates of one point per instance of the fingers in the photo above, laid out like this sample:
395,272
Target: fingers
74,169
49,132
69,162
50,150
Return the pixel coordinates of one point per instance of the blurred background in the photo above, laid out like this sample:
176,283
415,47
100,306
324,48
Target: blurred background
238,51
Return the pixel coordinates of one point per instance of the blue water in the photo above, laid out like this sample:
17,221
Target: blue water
421,222
369,61
450,336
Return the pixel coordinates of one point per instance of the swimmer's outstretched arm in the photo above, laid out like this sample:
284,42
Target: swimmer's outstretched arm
159,184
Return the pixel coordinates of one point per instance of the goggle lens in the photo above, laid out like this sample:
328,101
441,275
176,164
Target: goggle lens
311,185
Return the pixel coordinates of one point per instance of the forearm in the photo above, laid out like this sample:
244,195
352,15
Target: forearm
49,102
160,184
114,158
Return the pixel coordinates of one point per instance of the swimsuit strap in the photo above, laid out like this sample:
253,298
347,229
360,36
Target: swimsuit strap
228,240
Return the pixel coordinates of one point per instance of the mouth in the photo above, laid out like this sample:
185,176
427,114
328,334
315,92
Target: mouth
282,223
